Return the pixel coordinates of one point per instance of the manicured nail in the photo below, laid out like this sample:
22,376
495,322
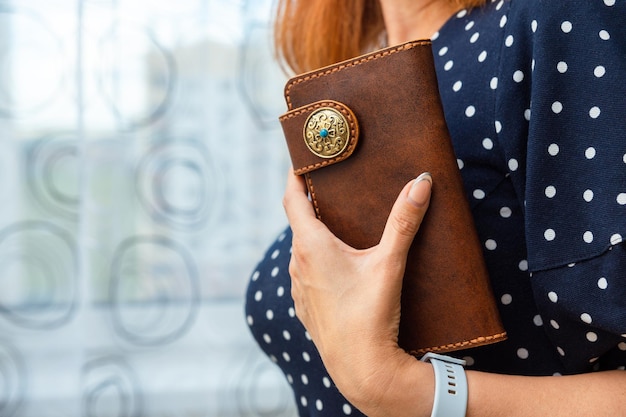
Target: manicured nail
420,190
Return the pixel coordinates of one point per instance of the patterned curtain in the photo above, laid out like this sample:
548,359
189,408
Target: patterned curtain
141,172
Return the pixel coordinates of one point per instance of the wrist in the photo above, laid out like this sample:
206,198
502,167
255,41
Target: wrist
397,385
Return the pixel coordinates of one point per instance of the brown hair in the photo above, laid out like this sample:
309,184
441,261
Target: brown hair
309,34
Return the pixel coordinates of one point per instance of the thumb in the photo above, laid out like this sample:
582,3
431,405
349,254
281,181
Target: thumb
406,216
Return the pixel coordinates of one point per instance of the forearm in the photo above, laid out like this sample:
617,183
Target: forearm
410,392
593,394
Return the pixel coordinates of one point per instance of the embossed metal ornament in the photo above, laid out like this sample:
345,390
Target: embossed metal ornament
326,132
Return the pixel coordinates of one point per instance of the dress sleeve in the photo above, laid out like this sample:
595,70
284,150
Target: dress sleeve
562,116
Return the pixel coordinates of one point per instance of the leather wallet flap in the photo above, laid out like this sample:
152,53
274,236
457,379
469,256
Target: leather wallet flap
320,134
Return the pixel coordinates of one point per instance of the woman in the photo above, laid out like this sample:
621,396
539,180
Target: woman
535,99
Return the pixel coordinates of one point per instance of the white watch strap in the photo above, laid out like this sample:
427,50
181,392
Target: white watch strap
450,385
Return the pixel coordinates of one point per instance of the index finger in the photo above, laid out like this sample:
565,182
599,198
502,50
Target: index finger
298,207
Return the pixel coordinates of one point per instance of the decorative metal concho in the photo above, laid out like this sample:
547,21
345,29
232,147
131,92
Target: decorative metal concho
326,132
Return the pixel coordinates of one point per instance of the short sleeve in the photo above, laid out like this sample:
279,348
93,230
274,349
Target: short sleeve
566,105
562,111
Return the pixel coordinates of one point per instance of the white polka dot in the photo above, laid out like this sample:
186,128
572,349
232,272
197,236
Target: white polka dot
491,244
493,84
304,379
594,112
457,86
532,65
509,41
560,350
460,163
326,382
448,65
552,296
554,324
275,254
275,271
269,314
286,335
522,353
523,265
553,149
290,379
549,235
609,2
303,401
443,51
586,318
603,283
622,345
590,153
267,339
550,191
518,76
503,21
616,239
506,212
347,410
599,71
513,164
482,56
258,296
273,358
470,111
306,356
280,291
282,237
533,26
487,144
250,320
557,107
479,194
286,357
506,299
588,196
592,337
621,199
308,336
604,35
538,321
319,405
257,274
561,67
291,312
527,114
461,14
624,158
588,237
469,25
434,36
469,361
498,125
474,37
566,27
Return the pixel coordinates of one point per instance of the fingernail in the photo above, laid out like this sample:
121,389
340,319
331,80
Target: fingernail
419,194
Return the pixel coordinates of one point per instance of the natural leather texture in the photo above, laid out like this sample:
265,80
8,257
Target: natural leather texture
447,301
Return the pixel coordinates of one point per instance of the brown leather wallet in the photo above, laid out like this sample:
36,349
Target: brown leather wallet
360,130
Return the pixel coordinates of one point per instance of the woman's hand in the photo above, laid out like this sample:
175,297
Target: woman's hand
349,300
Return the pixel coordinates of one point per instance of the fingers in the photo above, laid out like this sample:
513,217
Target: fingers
298,208
406,216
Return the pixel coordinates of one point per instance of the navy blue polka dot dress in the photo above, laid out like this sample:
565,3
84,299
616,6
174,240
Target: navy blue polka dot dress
534,92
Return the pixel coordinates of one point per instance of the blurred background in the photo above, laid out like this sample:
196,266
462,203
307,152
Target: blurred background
141,174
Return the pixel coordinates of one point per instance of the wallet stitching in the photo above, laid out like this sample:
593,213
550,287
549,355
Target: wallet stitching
353,126
348,64
478,340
